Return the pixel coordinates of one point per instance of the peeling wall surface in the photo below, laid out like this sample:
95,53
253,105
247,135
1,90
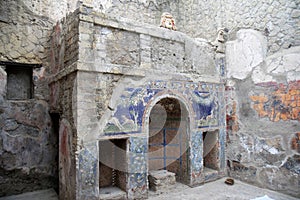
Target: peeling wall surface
98,67
263,112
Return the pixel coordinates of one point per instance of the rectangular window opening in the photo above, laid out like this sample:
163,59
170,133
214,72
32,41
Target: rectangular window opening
19,84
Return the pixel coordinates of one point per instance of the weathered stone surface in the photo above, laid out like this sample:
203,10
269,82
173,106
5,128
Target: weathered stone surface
120,51
280,179
263,112
285,61
20,41
248,174
295,142
269,151
293,164
245,143
161,179
167,55
27,148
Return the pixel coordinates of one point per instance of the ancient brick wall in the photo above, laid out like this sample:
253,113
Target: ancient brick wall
63,55
277,19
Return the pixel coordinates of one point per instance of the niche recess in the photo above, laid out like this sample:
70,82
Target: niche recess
112,166
211,151
19,79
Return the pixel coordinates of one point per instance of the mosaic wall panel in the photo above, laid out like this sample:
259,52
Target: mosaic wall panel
203,98
203,102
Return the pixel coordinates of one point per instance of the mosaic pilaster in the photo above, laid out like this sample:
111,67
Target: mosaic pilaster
222,148
137,168
88,172
196,157
222,131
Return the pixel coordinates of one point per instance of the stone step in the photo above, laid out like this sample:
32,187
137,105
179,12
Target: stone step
161,179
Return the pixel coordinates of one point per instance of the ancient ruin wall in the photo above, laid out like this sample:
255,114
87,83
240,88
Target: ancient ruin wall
263,113
63,55
92,91
28,141
263,92
272,88
279,20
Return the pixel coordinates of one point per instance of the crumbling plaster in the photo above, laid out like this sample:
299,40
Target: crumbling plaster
263,112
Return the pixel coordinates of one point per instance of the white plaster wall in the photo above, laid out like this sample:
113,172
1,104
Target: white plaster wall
245,53
246,57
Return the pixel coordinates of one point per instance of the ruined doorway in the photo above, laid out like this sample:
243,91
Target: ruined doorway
55,118
168,147
211,159
112,168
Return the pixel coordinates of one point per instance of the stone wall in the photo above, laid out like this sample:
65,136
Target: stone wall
63,55
263,113
278,20
201,19
28,139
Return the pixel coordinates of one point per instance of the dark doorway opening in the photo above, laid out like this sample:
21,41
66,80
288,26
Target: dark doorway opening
55,117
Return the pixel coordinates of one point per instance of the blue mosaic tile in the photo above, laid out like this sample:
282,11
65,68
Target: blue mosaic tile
196,152
222,140
88,166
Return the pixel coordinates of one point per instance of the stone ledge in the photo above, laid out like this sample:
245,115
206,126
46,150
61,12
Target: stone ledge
128,71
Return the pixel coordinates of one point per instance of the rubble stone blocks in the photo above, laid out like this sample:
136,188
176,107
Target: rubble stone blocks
161,180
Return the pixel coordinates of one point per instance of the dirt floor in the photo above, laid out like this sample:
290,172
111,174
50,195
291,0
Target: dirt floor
216,190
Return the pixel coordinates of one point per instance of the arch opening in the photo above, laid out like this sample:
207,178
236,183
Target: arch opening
168,146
